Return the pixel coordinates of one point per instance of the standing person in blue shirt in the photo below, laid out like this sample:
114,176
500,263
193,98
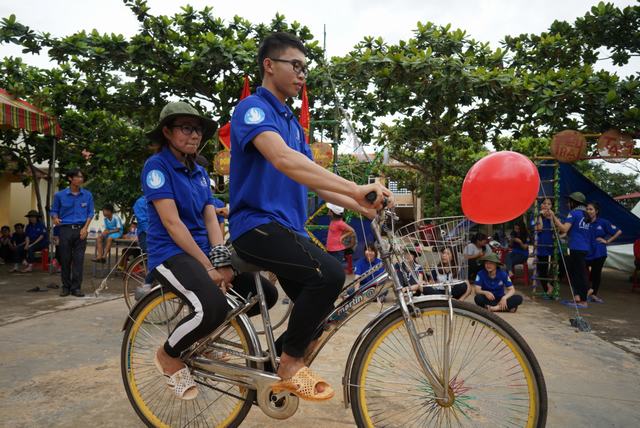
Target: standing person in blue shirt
72,211
184,242
544,245
519,243
37,239
603,232
271,171
494,290
113,229
577,228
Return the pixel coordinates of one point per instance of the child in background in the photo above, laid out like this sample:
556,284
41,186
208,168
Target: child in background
18,241
113,230
369,260
6,250
337,229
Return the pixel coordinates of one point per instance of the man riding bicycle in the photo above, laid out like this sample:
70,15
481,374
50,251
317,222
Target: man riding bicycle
271,172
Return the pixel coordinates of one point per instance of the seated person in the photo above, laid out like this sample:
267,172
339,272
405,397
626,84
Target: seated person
448,271
519,243
113,229
18,244
369,260
411,273
37,238
6,249
494,290
132,234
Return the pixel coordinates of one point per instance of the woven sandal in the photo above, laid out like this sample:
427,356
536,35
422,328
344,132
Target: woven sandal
303,385
181,381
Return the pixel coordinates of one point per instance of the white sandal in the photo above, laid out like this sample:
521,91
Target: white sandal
181,382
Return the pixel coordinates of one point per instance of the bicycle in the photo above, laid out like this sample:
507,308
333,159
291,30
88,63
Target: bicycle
424,361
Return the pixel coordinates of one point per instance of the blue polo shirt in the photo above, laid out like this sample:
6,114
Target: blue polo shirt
259,193
72,209
579,234
114,223
494,285
140,211
545,239
164,177
600,228
34,231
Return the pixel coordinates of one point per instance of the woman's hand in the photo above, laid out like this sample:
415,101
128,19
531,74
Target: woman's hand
217,278
502,305
227,275
489,295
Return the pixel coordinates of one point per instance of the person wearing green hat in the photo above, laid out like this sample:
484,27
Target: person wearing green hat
577,228
494,290
36,240
185,248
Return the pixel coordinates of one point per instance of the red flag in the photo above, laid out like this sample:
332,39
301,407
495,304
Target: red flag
305,118
224,133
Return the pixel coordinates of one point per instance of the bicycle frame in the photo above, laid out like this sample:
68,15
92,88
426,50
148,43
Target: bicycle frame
260,380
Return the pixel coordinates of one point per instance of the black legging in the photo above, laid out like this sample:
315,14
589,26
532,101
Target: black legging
577,267
186,277
311,278
512,302
596,266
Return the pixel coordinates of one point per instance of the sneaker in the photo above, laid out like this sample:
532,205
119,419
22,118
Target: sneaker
27,268
14,268
142,291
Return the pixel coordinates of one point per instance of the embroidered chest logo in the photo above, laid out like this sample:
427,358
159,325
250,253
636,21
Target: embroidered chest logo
254,116
203,182
155,179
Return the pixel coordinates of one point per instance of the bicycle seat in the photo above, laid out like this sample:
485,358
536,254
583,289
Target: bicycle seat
243,266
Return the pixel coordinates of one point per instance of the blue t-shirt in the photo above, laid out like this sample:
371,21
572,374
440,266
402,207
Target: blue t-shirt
72,209
600,228
34,231
545,239
140,211
494,285
114,223
364,265
258,192
579,234
164,177
219,204
409,276
516,248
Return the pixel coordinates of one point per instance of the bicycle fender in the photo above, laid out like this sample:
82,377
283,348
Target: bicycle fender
391,311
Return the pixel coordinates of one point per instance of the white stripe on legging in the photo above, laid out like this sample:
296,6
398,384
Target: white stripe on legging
186,328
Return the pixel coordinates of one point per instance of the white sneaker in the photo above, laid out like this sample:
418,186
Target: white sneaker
142,291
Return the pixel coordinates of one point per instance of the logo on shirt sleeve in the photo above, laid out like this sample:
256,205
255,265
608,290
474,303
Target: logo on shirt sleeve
155,179
254,116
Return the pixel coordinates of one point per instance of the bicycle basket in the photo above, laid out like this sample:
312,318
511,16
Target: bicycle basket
432,248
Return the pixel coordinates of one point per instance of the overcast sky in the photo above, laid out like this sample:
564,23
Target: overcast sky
347,21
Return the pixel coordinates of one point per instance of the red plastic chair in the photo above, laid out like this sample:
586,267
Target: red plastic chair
525,273
44,255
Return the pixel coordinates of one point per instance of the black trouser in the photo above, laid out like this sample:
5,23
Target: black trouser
310,277
31,257
6,253
542,270
512,302
71,254
596,266
577,267
186,277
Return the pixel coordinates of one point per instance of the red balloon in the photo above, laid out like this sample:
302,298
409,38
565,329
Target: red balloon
499,188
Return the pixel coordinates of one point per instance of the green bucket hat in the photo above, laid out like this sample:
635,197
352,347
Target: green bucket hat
578,197
491,257
180,108
33,213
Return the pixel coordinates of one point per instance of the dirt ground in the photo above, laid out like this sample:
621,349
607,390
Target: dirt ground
60,365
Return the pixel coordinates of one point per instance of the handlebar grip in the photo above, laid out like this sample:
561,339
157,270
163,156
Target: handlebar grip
371,196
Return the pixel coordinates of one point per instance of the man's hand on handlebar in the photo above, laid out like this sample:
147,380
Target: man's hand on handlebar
365,196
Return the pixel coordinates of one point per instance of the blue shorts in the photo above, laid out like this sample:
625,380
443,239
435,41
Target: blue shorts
114,235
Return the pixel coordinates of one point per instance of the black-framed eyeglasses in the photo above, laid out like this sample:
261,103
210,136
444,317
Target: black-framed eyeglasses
188,129
298,67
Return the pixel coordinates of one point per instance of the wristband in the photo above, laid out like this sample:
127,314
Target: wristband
220,256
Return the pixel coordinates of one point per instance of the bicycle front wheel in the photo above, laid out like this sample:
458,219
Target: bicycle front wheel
495,380
218,404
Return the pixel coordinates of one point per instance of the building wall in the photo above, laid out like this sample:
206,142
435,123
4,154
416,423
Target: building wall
16,200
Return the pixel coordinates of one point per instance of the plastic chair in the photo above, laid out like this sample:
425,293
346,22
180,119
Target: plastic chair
44,256
525,273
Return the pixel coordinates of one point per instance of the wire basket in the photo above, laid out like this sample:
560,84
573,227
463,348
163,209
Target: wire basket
431,251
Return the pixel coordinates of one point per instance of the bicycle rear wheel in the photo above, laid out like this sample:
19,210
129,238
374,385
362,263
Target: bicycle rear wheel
217,405
495,379
133,278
